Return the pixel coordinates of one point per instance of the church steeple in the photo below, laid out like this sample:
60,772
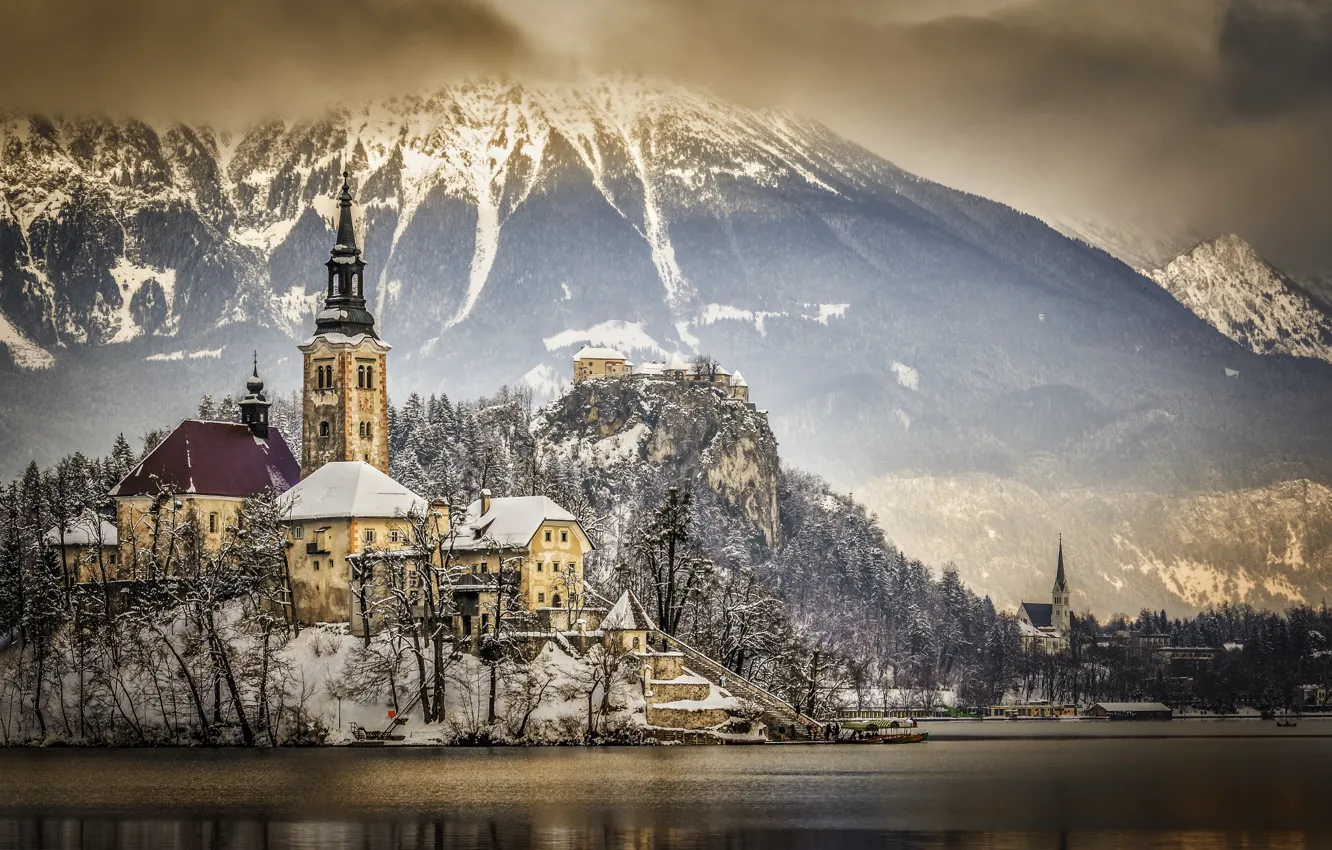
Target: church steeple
344,306
1060,582
1061,610
254,407
345,404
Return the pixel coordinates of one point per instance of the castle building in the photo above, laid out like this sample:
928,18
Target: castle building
595,362
345,404
201,473
1047,625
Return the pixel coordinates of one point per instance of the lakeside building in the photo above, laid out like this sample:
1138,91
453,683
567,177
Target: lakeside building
1034,709
1046,625
1130,711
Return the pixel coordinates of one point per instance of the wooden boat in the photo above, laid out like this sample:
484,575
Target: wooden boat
908,738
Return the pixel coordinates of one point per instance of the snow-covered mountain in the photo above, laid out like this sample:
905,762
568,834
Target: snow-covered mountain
892,326
1228,285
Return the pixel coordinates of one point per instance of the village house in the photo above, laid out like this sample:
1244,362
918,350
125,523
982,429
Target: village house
529,541
1046,625
340,520
89,548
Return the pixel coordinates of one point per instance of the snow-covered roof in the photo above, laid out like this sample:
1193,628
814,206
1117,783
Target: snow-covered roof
590,352
339,338
510,523
676,363
626,614
738,380
85,529
345,489
652,367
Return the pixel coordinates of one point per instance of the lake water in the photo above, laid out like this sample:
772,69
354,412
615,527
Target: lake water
1183,793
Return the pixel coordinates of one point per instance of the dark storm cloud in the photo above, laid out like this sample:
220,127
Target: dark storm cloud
238,57
1193,116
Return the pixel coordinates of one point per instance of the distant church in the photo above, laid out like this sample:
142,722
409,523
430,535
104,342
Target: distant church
1047,624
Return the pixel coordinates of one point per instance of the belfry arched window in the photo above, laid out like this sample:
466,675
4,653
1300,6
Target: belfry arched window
319,377
369,377
360,377
323,429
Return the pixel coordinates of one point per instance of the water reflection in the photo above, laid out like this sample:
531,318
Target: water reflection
241,834
1187,794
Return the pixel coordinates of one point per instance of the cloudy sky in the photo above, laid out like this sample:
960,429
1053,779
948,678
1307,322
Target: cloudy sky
1175,117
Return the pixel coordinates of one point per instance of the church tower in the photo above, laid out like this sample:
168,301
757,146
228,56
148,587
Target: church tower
1061,612
345,410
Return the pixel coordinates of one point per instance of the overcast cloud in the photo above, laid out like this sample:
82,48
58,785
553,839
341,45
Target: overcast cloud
1193,116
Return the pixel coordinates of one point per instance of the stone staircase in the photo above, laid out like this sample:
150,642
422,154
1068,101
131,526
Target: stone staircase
777,712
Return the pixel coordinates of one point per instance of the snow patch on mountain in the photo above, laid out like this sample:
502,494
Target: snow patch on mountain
1226,283
906,375
25,353
615,333
131,278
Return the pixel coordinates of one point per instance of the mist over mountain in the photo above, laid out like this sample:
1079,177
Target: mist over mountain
932,350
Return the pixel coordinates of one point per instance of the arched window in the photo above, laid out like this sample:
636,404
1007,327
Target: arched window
328,376
369,377
367,429
360,377
319,377
555,600
323,429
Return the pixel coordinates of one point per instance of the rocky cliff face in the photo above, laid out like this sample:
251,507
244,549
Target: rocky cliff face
689,432
1229,285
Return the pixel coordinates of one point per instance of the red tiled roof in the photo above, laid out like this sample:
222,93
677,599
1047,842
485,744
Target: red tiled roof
214,459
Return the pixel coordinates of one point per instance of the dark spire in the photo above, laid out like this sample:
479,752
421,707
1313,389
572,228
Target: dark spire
255,385
346,233
1060,583
344,306
254,407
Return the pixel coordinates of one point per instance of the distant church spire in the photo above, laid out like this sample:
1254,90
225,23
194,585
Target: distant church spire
1060,582
344,305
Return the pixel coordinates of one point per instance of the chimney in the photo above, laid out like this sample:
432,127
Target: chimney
439,508
485,502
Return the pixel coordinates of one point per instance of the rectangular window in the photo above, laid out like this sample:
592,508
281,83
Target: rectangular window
541,597
369,535
316,566
485,568
212,523
548,535
538,566
573,568
564,535
395,536
555,567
